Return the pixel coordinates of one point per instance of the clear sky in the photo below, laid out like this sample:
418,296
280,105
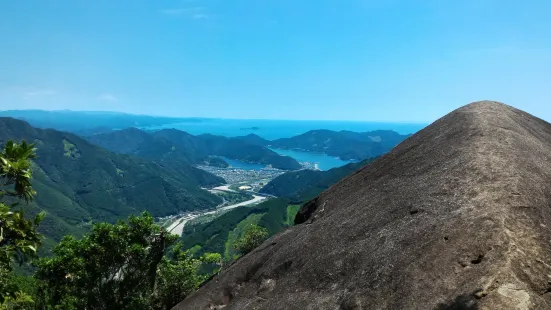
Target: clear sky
374,60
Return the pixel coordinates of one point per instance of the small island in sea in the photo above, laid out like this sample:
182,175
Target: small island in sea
250,128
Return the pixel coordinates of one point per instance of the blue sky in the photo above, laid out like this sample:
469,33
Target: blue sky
379,60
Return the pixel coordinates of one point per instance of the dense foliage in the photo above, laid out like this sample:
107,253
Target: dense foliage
170,145
19,238
180,276
145,145
217,235
118,266
216,162
253,236
301,186
78,183
254,139
240,150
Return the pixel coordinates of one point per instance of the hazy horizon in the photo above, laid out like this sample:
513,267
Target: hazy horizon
217,118
372,61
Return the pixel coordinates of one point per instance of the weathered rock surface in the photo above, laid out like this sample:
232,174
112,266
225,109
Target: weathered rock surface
456,217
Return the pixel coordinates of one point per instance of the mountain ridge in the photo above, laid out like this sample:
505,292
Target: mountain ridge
455,217
345,144
173,144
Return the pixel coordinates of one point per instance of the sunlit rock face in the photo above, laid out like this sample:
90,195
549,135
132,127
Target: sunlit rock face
456,217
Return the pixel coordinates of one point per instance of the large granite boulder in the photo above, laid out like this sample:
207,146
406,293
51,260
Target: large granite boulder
456,217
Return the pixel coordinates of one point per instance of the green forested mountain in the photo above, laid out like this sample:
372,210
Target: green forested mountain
216,162
344,144
303,185
240,150
254,139
170,144
146,145
78,182
127,265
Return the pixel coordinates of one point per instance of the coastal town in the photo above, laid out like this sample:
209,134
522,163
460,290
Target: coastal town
239,181
236,175
246,183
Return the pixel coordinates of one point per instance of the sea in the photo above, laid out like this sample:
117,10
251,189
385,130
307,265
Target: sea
275,129
315,160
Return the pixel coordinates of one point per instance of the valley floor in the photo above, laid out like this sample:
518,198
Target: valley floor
254,180
177,227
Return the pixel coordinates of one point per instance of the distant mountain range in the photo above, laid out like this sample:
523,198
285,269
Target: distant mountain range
78,182
346,145
82,122
169,145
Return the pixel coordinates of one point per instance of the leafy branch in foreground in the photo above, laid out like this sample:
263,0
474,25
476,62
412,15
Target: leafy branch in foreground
19,238
113,266
15,173
119,266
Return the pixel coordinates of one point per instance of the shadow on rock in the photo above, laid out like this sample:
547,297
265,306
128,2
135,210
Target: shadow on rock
461,302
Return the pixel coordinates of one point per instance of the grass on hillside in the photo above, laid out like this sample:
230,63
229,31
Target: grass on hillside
70,149
292,211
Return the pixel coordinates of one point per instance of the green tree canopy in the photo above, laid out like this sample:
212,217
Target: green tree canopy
114,266
19,238
252,237
178,277
120,266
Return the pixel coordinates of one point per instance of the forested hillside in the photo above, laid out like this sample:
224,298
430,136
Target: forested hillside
78,182
303,185
133,264
343,144
218,235
346,145
169,145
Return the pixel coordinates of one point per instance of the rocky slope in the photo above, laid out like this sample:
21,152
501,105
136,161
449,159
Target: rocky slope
455,217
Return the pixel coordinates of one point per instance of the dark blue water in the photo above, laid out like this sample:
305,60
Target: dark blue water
321,161
275,129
